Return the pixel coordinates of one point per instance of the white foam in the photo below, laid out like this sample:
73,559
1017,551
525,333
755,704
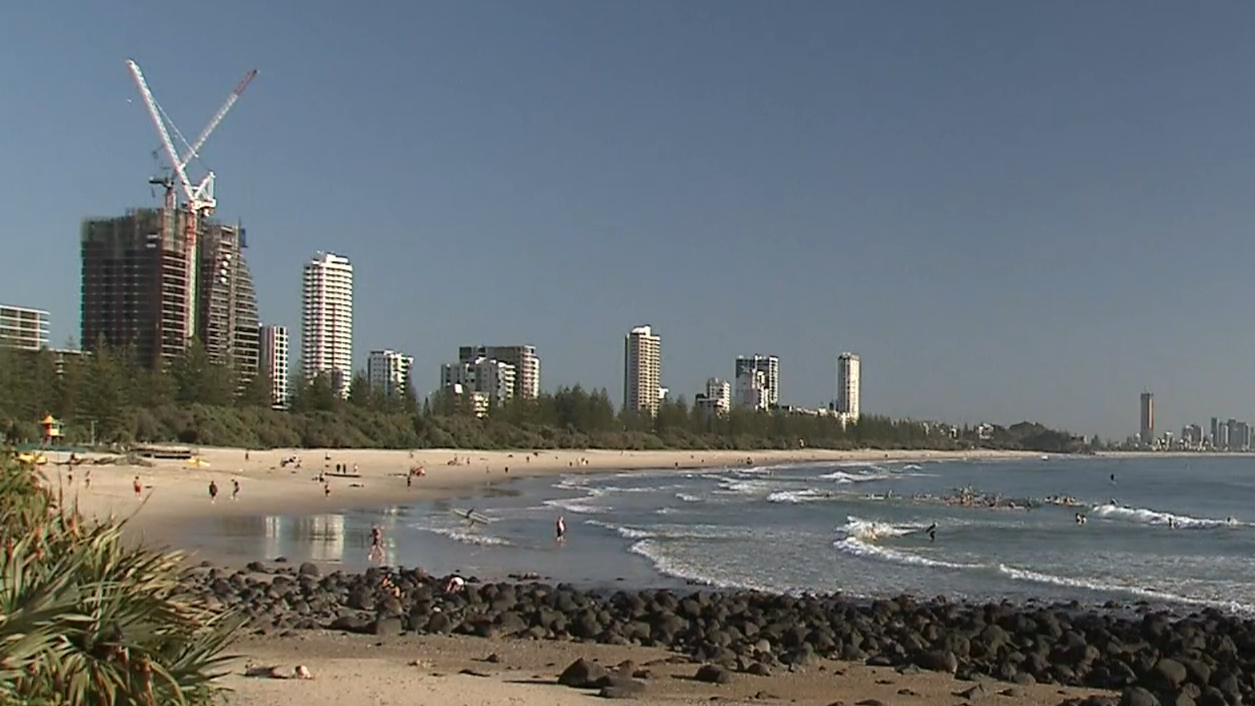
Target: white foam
688,497
858,547
844,477
672,566
871,529
800,496
912,467
1156,517
581,506
625,532
1093,585
468,537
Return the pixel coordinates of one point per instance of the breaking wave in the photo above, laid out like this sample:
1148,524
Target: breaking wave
1156,517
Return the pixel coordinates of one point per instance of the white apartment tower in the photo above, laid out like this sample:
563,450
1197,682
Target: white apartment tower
493,378
274,361
522,357
389,372
770,367
716,400
642,370
327,324
753,390
848,386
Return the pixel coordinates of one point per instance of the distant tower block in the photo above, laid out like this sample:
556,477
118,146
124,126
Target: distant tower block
1147,427
849,386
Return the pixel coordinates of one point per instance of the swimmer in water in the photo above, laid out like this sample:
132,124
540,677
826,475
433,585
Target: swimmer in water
932,532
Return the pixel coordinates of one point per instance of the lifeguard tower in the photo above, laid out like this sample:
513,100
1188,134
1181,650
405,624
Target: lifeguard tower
51,430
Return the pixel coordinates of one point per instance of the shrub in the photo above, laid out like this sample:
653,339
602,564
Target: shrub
88,619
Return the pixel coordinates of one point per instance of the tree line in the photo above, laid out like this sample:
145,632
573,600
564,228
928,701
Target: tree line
109,397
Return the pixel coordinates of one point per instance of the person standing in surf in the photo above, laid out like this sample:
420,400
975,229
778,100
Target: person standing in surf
932,532
376,543
559,529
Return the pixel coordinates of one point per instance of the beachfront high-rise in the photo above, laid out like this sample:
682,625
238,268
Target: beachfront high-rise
642,370
769,365
274,361
716,399
136,289
522,358
389,372
1146,429
327,320
752,390
849,382
23,328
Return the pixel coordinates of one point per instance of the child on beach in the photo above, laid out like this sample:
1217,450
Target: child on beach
139,487
235,489
213,491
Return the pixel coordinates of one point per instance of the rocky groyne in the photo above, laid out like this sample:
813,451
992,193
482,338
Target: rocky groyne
1205,658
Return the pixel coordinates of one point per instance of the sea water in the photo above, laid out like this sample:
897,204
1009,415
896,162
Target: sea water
1172,530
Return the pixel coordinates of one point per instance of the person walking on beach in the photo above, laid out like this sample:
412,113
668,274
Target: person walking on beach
235,489
376,543
213,491
560,529
139,487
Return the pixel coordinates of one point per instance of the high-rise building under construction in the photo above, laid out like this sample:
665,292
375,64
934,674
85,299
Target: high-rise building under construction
136,289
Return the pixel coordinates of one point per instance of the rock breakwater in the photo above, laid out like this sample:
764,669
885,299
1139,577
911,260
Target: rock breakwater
1207,657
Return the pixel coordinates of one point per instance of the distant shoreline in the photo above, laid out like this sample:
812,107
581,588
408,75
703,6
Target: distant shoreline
176,491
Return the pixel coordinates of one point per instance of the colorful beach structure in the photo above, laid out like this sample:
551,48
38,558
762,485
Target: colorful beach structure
50,430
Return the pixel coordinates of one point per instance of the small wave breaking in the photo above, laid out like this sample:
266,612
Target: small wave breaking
1156,517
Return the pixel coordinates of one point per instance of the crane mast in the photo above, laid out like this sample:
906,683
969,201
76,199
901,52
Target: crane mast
198,200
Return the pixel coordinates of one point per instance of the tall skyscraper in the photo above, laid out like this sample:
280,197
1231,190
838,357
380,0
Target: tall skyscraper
642,370
327,321
1147,427
23,328
389,372
849,371
770,367
274,362
523,359
136,289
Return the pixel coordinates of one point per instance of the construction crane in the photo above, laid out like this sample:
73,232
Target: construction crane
198,201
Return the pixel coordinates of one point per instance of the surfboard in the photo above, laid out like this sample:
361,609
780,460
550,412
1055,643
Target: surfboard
471,516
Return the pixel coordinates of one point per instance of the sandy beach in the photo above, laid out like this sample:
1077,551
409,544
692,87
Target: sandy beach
178,489
469,671
397,670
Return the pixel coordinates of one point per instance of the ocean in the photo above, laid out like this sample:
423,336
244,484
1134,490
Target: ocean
1177,531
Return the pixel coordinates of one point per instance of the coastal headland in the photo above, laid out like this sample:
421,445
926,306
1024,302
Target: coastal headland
394,636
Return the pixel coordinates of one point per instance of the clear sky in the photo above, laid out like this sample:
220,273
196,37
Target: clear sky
1010,210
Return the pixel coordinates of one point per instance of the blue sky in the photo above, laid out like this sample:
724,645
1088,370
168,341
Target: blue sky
1010,210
